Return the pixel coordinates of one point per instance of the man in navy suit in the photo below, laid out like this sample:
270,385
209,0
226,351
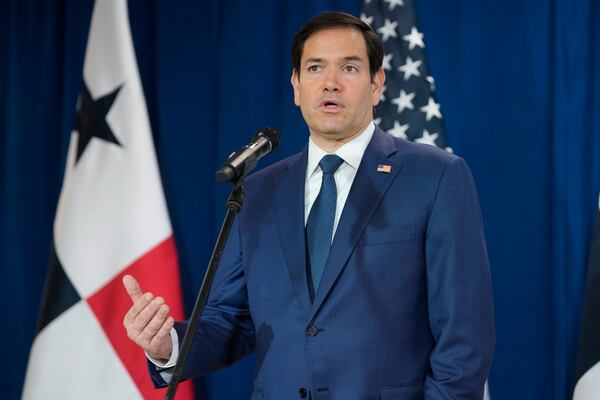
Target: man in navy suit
358,267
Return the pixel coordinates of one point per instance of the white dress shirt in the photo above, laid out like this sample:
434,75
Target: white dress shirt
352,154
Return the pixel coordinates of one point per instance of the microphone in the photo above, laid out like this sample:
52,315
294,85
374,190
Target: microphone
241,162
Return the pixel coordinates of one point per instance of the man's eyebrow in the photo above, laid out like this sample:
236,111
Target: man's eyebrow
347,58
313,60
353,58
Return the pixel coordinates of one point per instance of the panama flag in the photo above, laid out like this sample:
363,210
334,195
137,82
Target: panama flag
111,220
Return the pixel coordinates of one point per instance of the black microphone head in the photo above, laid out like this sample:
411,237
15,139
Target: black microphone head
272,135
241,162
225,173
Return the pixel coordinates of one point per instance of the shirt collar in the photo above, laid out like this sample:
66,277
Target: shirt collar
351,152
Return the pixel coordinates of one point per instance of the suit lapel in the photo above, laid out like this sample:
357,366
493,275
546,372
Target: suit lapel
289,206
368,188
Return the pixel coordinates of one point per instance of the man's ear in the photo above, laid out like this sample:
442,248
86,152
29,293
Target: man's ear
295,81
377,85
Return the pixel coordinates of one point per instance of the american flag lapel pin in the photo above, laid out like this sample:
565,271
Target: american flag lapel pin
384,168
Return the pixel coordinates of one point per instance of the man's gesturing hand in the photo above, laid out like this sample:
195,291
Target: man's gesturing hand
148,322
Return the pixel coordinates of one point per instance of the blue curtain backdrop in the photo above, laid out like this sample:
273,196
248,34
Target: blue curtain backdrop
519,84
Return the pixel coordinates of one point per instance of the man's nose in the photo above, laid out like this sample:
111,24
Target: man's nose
332,81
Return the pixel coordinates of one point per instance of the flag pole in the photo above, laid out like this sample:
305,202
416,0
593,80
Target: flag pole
234,205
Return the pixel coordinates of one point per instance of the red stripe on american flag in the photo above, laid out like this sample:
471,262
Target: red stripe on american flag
158,272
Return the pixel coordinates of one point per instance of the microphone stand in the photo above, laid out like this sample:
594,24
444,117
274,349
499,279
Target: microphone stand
234,205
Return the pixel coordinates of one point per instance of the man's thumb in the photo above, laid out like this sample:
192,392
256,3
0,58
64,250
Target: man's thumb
133,287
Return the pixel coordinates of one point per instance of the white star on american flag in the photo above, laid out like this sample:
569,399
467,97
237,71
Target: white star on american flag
432,109
394,3
410,68
386,65
431,82
382,97
388,29
404,101
368,20
427,138
399,130
414,38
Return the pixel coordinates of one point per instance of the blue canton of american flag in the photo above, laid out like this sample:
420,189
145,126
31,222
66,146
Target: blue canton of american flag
407,109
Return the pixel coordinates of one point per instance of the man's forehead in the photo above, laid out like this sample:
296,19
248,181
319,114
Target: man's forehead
335,43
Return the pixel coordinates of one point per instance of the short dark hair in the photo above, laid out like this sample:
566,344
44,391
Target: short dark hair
335,19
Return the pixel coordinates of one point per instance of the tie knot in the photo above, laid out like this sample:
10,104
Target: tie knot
330,163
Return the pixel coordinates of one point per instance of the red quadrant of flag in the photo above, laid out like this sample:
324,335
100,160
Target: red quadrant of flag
157,271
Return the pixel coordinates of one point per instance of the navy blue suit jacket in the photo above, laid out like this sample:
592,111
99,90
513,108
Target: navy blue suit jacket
404,307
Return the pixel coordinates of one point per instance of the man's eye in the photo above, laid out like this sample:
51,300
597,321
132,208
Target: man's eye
350,68
314,68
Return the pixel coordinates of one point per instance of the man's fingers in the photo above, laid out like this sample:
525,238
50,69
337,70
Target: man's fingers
133,287
137,307
147,313
157,321
162,336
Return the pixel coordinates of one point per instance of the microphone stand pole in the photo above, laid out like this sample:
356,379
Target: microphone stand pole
234,205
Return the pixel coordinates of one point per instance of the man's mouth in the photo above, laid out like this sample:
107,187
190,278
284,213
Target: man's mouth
330,105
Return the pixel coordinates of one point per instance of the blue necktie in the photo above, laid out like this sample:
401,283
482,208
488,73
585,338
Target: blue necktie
319,227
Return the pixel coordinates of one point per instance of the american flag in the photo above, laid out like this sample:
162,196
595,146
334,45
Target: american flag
386,169
408,108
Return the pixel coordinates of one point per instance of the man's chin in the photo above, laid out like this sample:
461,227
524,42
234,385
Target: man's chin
331,134
332,129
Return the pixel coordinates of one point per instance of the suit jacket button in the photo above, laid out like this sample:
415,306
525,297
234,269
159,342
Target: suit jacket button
312,331
303,393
